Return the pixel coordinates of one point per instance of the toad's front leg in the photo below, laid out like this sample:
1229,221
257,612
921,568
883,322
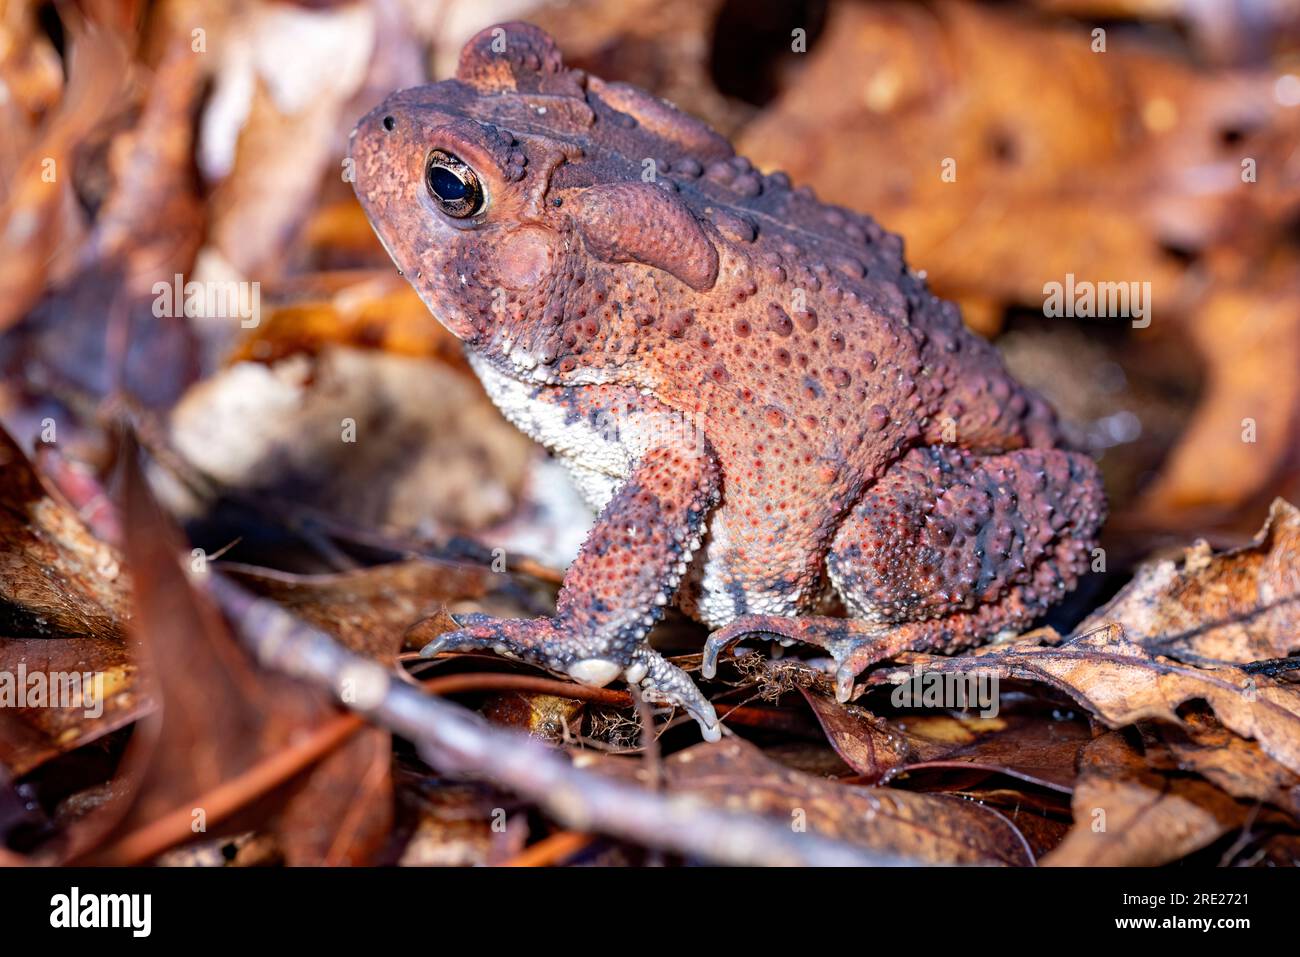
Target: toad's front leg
627,571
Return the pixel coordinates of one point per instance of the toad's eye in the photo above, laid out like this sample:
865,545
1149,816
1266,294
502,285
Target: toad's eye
453,185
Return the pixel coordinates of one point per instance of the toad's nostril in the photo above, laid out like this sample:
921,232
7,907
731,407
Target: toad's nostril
389,123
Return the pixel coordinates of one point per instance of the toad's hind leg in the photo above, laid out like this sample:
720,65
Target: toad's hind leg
947,550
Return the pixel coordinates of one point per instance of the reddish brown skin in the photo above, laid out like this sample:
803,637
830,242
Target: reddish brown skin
857,440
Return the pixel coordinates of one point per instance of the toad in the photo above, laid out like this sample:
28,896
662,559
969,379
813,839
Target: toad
783,431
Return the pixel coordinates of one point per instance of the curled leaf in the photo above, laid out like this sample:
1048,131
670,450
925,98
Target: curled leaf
1238,606
1121,683
1127,814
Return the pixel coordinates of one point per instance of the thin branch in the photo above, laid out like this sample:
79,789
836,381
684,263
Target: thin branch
551,850
458,741
498,681
175,827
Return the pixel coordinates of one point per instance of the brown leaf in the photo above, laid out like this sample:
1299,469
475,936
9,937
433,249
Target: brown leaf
375,310
1238,766
63,598
227,734
868,744
931,828
35,233
375,440
1042,829
1032,747
545,716
1126,814
108,698
31,72
56,579
343,812
370,609
150,223
1089,167
456,824
97,330
1122,683
278,118
1223,34
1238,606
1248,333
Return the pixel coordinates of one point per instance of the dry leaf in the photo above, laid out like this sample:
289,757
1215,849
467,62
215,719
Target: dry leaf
458,824
220,719
1238,766
929,828
56,579
1125,814
373,310
370,609
870,745
1237,607
275,124
1026,744
63,608
544,716
1033,747
343,812
104,696
1121,683
1240,445
372,439
37,236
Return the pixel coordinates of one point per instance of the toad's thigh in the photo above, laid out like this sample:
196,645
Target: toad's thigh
946,531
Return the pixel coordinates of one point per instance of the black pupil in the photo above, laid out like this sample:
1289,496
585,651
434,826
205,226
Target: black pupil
447,185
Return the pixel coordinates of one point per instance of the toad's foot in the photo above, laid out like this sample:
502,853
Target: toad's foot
544,642
855,645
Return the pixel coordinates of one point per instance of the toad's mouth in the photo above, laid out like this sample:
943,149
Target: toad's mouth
504,356
519,361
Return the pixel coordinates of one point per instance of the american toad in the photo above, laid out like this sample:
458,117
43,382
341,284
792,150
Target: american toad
773,415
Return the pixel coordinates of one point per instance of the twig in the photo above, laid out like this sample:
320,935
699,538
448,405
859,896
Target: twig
550,850
1271,666
172,828
457,741
497,681
649,742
